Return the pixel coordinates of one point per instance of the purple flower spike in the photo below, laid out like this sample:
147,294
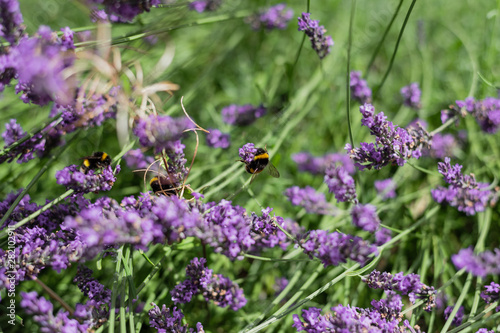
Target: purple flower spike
386,188
160,131
341,184
11,20
318,164
205,5
247,152
486,112
217,139
25,151
314,202
459,316
119,11
480,264
491,294
320,43
359,88
74,179
411,95
365,217
275,17
242,115
165,320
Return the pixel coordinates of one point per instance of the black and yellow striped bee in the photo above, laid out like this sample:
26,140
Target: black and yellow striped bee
162,185
260,163
97,161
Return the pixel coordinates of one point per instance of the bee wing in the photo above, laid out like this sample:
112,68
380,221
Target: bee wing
271,169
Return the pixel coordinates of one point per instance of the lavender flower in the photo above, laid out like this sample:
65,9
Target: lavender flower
242,115
41,309
411,95
160,131
486,112
359,88
205,5
459,316
318,164
214,287
386,188
442,145
26,150
275,17
408,285
393,145
164,321
464,192
320,43
99,296
11,19
74,179
280,284
365,217
335,248
382,236
135,159
217,139
313,202
484,330
119,11
491,294
41,61
247,152
341,184
480,264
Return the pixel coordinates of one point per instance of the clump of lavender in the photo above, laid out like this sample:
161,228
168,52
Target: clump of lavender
320,43
386,188
480,264
93,181
99,296
318,164
214,287
25,151
42,309
11,21
365,217
459,316
160,131
135,159
491,294
313,202
442,145
411,95
335,248
393,144
407,285
242,115
360,91
382,236
275,17
247,152
486,112
119,11
164,321
341,184
217,139
464,192
205,5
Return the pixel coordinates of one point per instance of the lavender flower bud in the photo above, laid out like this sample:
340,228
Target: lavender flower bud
318,164
217,139
313,202
365,217
275,17
386,188
359,88
320,43
411,96
341,184
242,115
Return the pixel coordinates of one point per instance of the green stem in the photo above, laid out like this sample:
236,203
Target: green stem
348,74
445,125
377,90
381,42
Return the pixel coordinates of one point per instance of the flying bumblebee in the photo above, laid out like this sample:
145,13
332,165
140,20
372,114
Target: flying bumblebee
261,162
98,160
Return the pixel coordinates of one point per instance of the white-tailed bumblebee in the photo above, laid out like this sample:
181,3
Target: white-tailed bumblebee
98,160
162,185
260,163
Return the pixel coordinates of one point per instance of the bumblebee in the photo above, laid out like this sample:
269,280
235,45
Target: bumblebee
98,160
162,185
261,162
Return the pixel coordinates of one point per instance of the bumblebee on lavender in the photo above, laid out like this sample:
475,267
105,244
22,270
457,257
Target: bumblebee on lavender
162,185
97,161
260,163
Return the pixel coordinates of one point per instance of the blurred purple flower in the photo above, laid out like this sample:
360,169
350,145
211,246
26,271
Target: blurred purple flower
280,284
320,43
382,236
459,316
313,202
11,20
205,5
160,131
135,159
335,248
118,10
26,150
486,112
247,152
242,115
275,17
365,217
480,264
442,145
393,144
386,188
359,88
341,184
318,164
484,330
217,139
164,321
411,96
